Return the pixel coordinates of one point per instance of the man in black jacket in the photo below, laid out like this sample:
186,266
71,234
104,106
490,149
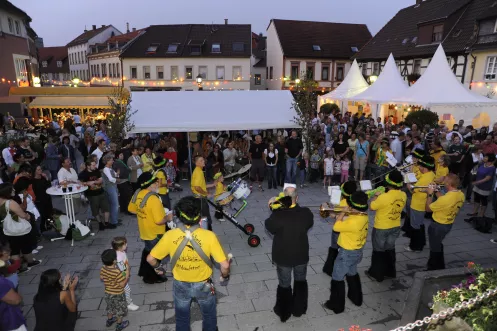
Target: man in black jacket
289,226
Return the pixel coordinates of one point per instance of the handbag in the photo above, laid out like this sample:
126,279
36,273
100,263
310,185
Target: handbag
14,228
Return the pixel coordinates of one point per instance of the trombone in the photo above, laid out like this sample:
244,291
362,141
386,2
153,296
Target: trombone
325,210
399,168
437,187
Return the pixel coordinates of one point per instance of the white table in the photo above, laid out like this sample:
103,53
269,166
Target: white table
68,201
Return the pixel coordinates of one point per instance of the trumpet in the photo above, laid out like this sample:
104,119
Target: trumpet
437,187
325,210
399,168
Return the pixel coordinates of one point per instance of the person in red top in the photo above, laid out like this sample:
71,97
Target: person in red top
172,155
488,146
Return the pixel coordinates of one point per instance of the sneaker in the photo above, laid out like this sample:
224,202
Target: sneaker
493,241
34,263
222,219
122,325
39,247
132,307
23,269
35,251
111,321
408,249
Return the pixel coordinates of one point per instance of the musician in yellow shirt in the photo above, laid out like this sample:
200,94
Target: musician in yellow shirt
437,152
418,204
220,187
442,169
199,188
388,207
353,231
346,189
416,155
445,211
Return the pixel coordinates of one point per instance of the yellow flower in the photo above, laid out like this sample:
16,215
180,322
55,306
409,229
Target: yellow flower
461,297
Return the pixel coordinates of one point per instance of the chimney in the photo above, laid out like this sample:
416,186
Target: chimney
225,21
134,29
94,27
127,27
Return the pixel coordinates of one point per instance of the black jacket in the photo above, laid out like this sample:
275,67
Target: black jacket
289,228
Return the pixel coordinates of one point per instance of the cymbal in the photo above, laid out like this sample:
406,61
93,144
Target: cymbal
244,169
230,175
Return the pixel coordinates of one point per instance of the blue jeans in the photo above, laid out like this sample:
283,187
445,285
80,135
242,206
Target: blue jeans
285,274
184,293
436,234
113,197
417,218
149,244
346,263
334,239
291,170
384,239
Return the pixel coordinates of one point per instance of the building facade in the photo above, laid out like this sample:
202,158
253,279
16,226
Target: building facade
54,66
79,48
320,50
18,55
172,57
258,61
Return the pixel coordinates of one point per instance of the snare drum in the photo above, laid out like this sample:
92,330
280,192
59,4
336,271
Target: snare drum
242,191
224,199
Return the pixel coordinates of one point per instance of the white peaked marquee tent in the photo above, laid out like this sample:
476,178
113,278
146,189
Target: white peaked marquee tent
439,89
353,84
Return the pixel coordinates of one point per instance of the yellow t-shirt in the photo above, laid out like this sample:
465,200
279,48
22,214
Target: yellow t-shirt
198,179
190,267
353,231
416,171
436,156
388,208
161,175
381,157
148,162
418,200
219,189
441,172
153,212
446,207
343,203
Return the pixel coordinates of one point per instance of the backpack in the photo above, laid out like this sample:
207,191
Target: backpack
482,224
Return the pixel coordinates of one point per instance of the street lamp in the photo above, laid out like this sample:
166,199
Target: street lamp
75,81
199,82
372,79
297,81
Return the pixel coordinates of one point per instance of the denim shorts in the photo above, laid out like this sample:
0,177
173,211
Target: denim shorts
384,239
346,263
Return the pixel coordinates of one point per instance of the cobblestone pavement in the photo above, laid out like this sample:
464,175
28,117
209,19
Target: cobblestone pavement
246,303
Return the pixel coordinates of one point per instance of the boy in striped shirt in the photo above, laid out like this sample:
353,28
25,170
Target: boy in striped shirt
114,282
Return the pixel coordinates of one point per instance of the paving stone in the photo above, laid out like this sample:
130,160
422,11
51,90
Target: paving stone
89,304
259,275
158,297
252,259
235,308
235,289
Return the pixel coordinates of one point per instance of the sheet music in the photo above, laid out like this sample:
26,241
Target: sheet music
365,185
391,159
410,178
336,195
408,159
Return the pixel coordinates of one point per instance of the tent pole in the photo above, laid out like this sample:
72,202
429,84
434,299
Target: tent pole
377,105
189,153
343,110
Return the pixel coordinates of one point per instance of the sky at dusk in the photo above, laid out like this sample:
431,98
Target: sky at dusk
60,21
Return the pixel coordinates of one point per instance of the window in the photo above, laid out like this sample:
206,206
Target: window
237,73
202,71
310,71
216,48
238,47
257,79
21,71
340,71
85,56
354,49
267,73
111,70
44,64
104,70
437,33
98,70
18,28
491,70
414,40
316,47
132,72
495,27
92,70
118,70
11,25
219,72
295,71
365,69
160,72
152,49
174,73
325,72
376,68
172,48
59,64
188,72
405,41
195,50
146,72
270,72
79,58
416,68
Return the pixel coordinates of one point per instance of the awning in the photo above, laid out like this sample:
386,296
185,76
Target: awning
62,91
70,102
185,111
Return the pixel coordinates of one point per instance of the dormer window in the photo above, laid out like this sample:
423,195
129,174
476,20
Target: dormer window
195,50
405,41
59,64
216,48
414,40
238,47
44,64
152,49
316,47
172,48
495,27
354,49
437,34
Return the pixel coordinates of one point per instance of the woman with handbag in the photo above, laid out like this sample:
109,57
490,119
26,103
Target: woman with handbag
16,227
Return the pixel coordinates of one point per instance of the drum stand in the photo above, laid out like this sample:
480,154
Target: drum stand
248,229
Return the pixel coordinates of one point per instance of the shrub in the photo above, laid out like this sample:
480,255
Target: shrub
421,118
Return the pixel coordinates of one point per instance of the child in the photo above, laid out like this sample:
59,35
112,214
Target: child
337,170
302,164
115,283
220,188
120,244
315,160
328,169
345,169
11,266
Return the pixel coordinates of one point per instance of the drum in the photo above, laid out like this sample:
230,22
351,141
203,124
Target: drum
234,186
242,191
224,198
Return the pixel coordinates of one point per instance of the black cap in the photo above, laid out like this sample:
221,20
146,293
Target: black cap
146,179
348,188
427,162
359,201
394,179
418,153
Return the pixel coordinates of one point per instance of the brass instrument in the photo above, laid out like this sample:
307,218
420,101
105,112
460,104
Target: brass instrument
399,168
325,210
437,187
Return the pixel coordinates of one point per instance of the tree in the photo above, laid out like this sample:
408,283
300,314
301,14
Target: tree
305,106
120,120
329,108
421,118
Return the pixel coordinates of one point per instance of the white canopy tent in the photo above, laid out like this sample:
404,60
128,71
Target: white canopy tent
353,84
388,85
212,111
439,89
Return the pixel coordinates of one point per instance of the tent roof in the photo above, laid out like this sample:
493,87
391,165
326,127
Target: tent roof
352,85
187,111
439,86
388,85
70,102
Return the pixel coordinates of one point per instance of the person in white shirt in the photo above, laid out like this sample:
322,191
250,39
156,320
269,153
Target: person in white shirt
77,119
67,172
396,145
230,155
99,151
9,152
